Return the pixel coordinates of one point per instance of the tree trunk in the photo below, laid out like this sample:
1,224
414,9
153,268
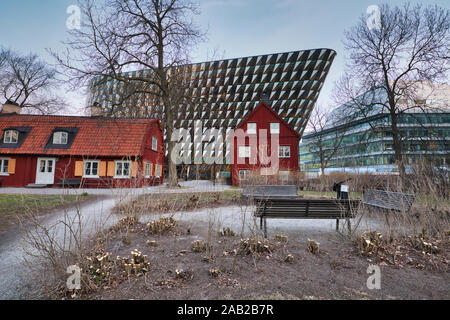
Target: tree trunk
173,176
398,147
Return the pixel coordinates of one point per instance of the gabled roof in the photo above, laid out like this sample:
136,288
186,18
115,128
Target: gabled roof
94,136
262,104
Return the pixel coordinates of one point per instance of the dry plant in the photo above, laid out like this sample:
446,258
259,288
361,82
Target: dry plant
255,246
162,226
313,246
50,248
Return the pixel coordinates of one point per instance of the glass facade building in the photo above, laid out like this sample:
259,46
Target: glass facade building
366,145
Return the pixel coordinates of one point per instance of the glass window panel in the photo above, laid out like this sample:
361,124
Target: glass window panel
251,128
126,169
275,128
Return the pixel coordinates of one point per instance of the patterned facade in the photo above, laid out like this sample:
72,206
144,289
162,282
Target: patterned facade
226,91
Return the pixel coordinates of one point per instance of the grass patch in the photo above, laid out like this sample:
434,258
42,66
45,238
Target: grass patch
13,206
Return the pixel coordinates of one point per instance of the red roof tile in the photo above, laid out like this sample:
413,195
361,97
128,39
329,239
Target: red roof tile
96,136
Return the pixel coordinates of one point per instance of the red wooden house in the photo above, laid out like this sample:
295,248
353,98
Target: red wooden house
80,151
261,129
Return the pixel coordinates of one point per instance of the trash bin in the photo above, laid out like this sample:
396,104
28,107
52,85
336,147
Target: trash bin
341,190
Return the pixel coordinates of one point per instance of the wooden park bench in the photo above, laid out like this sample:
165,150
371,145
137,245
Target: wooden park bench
275,191
69,182
288,208
388,200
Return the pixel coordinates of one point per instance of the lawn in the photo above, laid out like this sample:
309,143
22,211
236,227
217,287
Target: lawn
13,206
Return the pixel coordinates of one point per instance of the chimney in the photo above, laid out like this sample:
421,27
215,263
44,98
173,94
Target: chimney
11,107
96,110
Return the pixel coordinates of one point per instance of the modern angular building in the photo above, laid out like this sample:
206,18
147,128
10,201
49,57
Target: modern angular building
363,144
225,91
228,89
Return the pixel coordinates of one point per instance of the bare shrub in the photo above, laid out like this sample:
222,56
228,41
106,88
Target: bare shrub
184,275
289,258
138,263
255,246
199,246
162,225
51,247
227,232
313,246
369,243
281,237
213,272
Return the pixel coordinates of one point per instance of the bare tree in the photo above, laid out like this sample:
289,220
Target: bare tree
29,82
324,146
389,63
153,37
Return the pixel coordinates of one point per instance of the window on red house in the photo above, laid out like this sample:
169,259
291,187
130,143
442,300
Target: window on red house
284,152
4,166
11,136
275,128
243,174
91,169
251,128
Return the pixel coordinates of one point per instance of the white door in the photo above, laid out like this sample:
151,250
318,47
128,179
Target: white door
45,172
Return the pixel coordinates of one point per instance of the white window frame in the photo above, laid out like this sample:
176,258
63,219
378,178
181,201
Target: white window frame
245,151
147,170
91,175
253,130
158,171
154,143
8,137
2,166
282,153
58,137
245,175
273,130
121,175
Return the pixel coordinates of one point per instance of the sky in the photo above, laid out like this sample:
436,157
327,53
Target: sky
235,28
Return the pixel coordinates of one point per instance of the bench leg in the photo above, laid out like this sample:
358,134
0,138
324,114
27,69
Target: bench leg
261,223
349,226
337,224
265,228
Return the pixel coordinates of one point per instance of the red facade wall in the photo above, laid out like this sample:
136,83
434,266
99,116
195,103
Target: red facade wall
26,165
263,116
25,172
